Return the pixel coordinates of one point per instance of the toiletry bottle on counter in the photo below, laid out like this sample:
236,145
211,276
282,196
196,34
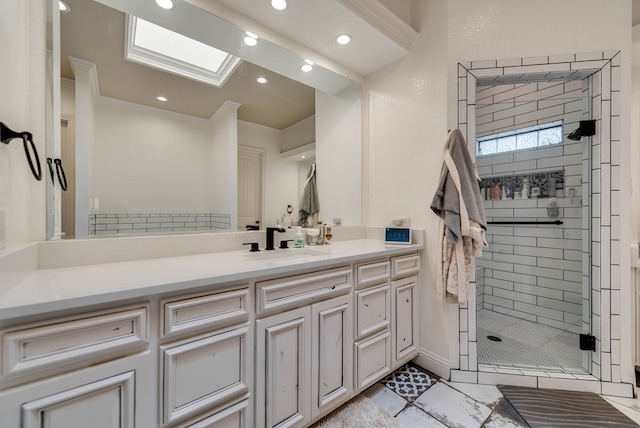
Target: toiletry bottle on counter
298,241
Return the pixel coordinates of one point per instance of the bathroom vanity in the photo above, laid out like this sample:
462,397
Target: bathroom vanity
227,339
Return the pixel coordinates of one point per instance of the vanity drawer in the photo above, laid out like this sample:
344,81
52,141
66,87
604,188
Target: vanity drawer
293,291
231,416
372,273
80,340
405,265
203,373
373,310
196,312
373,359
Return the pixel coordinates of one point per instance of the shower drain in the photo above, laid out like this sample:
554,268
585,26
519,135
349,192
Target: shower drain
494,338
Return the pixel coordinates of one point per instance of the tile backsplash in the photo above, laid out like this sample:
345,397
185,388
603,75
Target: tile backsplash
138,224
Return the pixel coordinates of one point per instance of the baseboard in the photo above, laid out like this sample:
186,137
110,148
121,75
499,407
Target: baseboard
434,363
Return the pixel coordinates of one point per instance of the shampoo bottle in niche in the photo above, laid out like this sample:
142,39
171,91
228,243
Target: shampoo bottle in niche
298,241
525,188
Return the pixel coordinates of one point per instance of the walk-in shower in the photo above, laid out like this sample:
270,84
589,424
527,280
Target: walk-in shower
530,280
563,278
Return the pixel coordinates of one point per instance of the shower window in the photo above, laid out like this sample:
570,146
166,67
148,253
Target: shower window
527,138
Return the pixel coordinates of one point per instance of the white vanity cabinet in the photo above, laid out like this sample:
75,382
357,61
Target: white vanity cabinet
54,373
281,348
206,375
303,356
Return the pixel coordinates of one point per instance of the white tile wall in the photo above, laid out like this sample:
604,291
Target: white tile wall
105,224
603,100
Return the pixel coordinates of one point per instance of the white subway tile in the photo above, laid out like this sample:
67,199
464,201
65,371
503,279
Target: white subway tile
464,376
606,81
605,366
538,291
515,277
617,389
507,379
569,384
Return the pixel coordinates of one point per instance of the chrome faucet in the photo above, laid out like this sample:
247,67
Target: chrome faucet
270,231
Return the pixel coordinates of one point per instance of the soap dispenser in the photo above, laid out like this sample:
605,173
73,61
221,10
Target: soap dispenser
298,241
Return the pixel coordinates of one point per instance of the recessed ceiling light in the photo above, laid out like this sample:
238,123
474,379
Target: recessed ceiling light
279,4
262,80
64,6
303,157
161,98
308,66
250,39
343,39
165,4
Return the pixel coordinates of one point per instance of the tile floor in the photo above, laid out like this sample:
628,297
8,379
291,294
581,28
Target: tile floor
418,398
525,343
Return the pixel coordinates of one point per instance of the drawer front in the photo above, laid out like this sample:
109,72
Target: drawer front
233,416
373,359
373,310
48,346
404,266
293,291
203,373
204,311
373,273
105,403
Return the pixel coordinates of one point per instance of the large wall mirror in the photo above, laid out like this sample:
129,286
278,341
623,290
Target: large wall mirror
156,144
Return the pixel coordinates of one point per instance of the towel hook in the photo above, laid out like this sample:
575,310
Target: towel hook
6,135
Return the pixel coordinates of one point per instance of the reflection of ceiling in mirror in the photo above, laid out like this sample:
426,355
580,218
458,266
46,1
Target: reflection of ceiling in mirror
95,33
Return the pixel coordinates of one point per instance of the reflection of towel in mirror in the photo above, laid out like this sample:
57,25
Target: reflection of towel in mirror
459,205
309,203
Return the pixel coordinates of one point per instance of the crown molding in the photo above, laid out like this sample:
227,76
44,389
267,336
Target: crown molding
383,20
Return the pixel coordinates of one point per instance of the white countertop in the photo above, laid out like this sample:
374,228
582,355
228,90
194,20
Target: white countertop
48,290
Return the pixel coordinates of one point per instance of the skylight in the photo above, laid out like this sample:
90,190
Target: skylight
160,48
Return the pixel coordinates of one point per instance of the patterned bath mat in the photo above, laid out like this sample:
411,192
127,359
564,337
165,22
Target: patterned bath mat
551,408
409,381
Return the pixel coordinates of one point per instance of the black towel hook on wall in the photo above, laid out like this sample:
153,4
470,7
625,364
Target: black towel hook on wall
62,178
6,135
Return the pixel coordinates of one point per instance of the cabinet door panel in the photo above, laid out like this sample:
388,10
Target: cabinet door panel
331,343
283,352
373,307
373,359
405,319
203,373
108,403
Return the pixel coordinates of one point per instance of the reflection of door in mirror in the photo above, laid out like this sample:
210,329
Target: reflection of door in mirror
249,186
68,147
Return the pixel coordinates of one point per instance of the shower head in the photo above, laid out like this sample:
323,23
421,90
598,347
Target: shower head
575,135
587,128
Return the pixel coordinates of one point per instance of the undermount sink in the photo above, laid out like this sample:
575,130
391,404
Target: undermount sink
286,254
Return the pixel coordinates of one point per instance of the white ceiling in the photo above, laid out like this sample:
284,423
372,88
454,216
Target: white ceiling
378,36
306,30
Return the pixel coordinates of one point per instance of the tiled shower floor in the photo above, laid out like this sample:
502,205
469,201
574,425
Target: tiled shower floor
525,343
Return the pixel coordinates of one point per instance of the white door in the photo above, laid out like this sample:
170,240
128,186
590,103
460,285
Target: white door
249,186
